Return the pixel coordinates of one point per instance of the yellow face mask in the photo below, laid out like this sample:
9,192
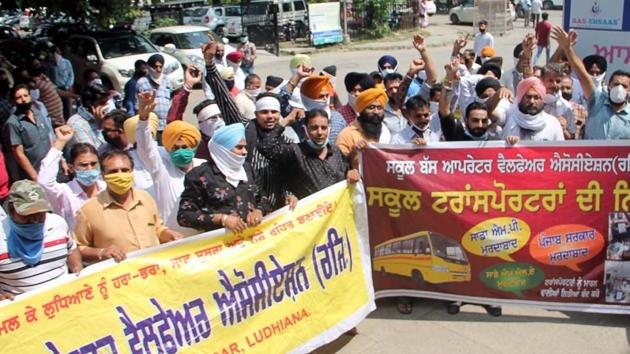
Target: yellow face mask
120,182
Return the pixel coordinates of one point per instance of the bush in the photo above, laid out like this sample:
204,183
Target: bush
164,22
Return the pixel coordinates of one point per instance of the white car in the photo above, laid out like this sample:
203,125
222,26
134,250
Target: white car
113,54
465,13
187,41
432,9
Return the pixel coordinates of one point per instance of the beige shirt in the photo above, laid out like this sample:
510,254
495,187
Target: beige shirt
353,133
102,222
245,105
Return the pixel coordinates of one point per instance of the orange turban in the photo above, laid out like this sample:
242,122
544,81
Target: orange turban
131,124
313,86
488,52
367,97
180,130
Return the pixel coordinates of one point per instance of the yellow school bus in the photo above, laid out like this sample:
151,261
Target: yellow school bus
423,256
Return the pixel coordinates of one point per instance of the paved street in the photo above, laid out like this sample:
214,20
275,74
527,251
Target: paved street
430,329
363,57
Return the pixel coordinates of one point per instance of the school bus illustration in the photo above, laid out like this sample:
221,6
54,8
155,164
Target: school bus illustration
423,256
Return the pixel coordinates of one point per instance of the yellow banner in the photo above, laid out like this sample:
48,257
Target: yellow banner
296,282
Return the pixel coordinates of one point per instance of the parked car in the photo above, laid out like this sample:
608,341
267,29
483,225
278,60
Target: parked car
186,40
187,15
432,9
290,12
113,54
552,4
211,17
465,13
8,32
233,21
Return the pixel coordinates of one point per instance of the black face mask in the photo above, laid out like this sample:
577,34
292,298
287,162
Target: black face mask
229,84
482,30
21,108
567,96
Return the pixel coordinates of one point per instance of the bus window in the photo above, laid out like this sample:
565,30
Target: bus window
387,250
448,249
422,245
407,246
396,247
378,252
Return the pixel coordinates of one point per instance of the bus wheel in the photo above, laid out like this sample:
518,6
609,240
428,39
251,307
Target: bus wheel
416,275
383,272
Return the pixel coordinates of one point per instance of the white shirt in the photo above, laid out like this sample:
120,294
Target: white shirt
245,105
483,40
562,108
17,277
537,7
407,135
167,178
141,177
65,198
551,132
394,122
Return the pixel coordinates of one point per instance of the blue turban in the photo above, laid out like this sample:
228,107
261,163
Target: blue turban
387,59
229,136
155,58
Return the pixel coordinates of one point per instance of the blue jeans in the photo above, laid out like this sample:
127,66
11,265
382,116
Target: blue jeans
539,51
247,70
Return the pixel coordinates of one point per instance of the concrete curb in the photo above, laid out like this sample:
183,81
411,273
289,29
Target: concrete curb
311,50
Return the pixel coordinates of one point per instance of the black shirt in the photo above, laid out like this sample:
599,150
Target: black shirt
452,129
304,172
206,192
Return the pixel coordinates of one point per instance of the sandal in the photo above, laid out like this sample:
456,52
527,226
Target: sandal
404,305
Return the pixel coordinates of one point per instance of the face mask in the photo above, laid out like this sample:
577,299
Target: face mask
26,241
234,66
96,82
315,145
481,100
34,94
218,57
551,99
352,101
618,94
434,107
229,84
22,108
599,79
388,71
253,93
120,182
244,40
155,76
567,95
87,177
482,30
182,157
208,126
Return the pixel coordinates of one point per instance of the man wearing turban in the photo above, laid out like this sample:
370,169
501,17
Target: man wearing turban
315,94
180,140
527,119
355,83
158,82
369,127
221,191
234,60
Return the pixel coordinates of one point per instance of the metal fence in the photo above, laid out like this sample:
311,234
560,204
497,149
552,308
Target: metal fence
369,18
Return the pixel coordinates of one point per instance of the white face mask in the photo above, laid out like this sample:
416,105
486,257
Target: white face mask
233,65
352,101
253,93
551,98
155,76
599,79
481,100
386,72
209,126
96,82
434,107
34,94
618,94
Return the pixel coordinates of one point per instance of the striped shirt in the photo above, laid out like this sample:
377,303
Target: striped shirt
17,277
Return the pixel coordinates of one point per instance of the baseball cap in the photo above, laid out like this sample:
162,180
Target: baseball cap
28,198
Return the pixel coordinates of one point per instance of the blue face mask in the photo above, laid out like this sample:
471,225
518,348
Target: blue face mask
26,241
88,177
315,145
182,157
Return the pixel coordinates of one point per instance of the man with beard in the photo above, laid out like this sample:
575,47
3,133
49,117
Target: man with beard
483,39
527,119
579,112
86,122
368,128
158,82
555,104
608,111
355,83
131,100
